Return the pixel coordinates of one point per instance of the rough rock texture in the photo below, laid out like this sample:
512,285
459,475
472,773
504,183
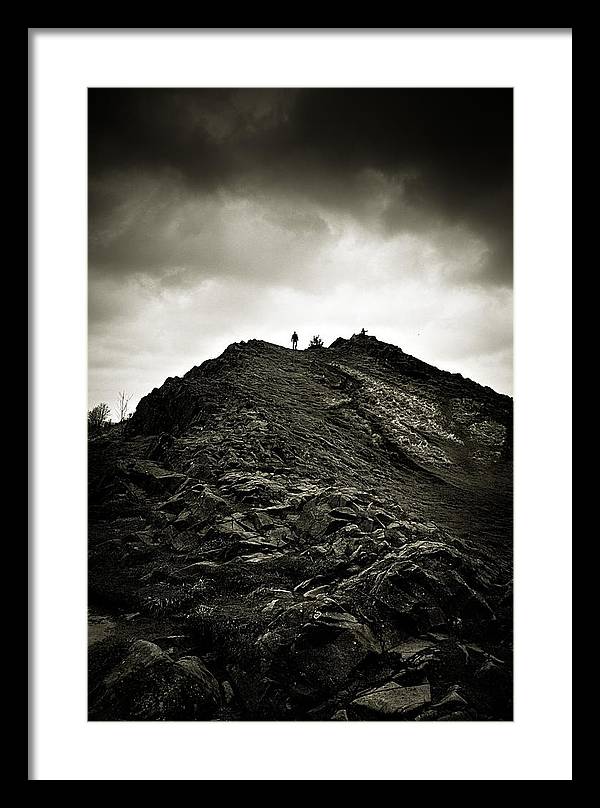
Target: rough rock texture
392,701
148,685
308,535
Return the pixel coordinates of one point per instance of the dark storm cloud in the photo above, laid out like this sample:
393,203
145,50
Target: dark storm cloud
436,158
220,215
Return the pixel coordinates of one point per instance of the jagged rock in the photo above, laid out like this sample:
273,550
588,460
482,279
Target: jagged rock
315,520
346,514
258,558
391,701
329,649
261,521
408,649
312,583
441,662
195,505
161,446
251,488
317,525
384,518
422,583
315,647
149,685
452,700
151,477
269,542
282,535
183,540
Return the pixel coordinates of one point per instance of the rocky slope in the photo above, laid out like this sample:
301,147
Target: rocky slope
322,534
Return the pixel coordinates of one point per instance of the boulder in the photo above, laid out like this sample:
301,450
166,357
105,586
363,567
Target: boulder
315,520
151,477
441,662
453,700
149,685
329,648
429,584
314,647
392,700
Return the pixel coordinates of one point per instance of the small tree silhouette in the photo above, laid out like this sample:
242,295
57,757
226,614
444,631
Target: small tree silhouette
123,405
98,417
316,342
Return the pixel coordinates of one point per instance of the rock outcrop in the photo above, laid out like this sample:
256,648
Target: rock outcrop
305,535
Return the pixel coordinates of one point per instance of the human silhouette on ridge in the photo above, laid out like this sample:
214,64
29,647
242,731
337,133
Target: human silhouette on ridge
294,341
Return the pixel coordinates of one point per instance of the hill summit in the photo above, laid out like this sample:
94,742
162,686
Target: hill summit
305,535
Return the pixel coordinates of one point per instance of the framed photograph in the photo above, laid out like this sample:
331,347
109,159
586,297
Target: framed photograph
308,286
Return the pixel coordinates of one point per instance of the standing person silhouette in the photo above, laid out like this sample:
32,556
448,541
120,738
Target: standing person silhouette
294,341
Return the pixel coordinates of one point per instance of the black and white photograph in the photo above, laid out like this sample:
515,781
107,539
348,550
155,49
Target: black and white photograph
300,404
300,411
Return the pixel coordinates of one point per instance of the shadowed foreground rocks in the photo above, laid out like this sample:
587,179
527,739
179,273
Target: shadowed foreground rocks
310,535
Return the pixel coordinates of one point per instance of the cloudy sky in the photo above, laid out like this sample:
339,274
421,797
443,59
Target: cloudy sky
220,215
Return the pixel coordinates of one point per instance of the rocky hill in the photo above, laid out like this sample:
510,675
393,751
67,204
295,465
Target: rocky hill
306,535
